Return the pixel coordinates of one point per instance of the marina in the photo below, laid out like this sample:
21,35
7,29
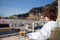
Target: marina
17,26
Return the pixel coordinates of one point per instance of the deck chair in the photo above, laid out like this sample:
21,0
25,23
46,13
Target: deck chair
55,35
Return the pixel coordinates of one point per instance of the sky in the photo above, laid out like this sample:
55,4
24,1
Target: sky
12,7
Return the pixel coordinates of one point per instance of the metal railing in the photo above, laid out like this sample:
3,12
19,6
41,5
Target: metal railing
23,25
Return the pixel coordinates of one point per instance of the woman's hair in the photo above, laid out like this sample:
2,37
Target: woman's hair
50,12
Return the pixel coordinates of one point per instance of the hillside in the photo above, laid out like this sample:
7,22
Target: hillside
38,9
34,11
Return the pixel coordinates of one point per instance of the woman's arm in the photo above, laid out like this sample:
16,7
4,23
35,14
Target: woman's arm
44,33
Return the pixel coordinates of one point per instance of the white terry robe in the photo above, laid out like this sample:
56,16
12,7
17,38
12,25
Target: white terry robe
45,32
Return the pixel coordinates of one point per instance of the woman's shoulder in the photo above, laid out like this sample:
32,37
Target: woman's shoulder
51,23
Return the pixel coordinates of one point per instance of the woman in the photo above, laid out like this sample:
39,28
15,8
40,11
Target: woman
50,17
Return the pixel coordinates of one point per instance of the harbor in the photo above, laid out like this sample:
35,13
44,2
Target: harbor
17,26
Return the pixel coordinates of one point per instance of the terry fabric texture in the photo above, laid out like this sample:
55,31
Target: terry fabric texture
45,32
